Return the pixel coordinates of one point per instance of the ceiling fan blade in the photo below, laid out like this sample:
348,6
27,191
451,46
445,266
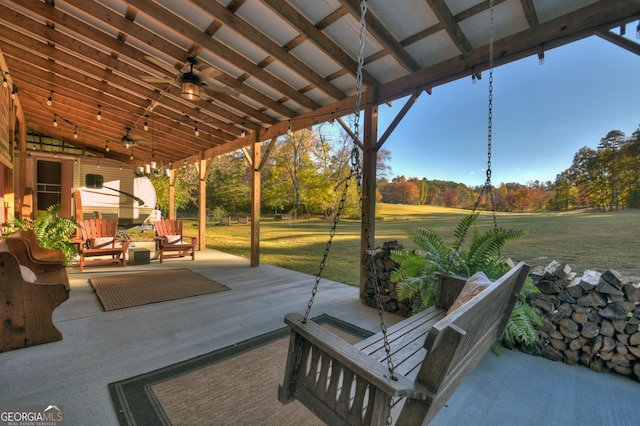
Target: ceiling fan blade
213,90
207,72
162,64
150,79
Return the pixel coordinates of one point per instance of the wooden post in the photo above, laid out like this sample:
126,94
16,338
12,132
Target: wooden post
256,180
204,167
369,161
172,195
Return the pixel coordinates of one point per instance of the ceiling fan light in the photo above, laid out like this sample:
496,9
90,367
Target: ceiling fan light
191,87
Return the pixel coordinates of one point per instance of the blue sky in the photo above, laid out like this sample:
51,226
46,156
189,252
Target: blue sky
542,115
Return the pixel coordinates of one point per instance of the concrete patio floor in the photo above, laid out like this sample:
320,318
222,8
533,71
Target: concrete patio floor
102,347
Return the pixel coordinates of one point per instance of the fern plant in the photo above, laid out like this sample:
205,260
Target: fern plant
416,276
52,231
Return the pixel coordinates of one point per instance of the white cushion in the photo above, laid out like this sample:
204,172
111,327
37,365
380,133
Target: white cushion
102,242
173,239
474,285
27,274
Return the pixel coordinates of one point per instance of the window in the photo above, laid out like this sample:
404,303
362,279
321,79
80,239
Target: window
94,181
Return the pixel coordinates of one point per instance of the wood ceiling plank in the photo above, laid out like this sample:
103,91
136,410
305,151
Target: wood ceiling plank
304,26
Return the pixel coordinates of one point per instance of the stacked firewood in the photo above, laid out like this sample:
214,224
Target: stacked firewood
591,319
383,266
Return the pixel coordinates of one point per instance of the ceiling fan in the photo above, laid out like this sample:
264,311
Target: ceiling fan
193,81
129,141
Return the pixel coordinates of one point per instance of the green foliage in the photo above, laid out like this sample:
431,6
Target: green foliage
217,213
416,275
434,254
183,188
53,232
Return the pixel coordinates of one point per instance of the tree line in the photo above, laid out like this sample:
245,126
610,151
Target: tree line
307,171
606,178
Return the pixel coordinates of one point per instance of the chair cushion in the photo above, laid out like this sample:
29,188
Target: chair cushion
173,239
474,285
27,274
102,242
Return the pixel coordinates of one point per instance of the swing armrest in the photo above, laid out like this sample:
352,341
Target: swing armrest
361,364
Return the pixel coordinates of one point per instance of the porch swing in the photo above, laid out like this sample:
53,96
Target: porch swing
408,371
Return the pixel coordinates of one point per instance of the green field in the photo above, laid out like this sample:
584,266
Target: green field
584,240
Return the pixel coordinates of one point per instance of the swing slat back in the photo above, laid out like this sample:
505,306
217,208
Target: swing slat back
433,352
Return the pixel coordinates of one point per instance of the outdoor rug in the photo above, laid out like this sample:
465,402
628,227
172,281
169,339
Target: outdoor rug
127,290
236,385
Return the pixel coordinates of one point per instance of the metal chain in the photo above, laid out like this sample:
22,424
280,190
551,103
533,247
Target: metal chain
487,183
355,171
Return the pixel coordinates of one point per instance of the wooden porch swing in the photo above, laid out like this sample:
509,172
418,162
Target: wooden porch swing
406,372
433,351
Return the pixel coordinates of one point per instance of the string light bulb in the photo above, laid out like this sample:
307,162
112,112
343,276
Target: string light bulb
131,157
55,122
106,148
75,133
146,124
289,130
14,91
5,83
50,101
244,132
196,132
99,116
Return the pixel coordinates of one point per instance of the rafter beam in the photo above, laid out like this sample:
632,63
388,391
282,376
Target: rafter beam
317,37
447,19
383,36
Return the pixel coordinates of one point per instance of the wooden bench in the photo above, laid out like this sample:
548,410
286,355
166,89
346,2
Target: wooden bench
47,271
38,252
26,317
432,353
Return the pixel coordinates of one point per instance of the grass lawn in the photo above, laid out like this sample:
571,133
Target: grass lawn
584,240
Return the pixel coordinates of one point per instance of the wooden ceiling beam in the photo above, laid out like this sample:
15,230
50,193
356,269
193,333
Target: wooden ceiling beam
452,28
98,71
120,48
96,133
218,48
620,41
248,31
554,33
110,126
317,37
383,36
530,12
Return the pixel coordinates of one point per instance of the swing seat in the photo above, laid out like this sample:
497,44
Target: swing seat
432,353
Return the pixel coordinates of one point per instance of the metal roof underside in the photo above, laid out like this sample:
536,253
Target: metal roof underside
267,64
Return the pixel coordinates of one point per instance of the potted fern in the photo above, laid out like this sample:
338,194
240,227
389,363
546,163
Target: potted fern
419,270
